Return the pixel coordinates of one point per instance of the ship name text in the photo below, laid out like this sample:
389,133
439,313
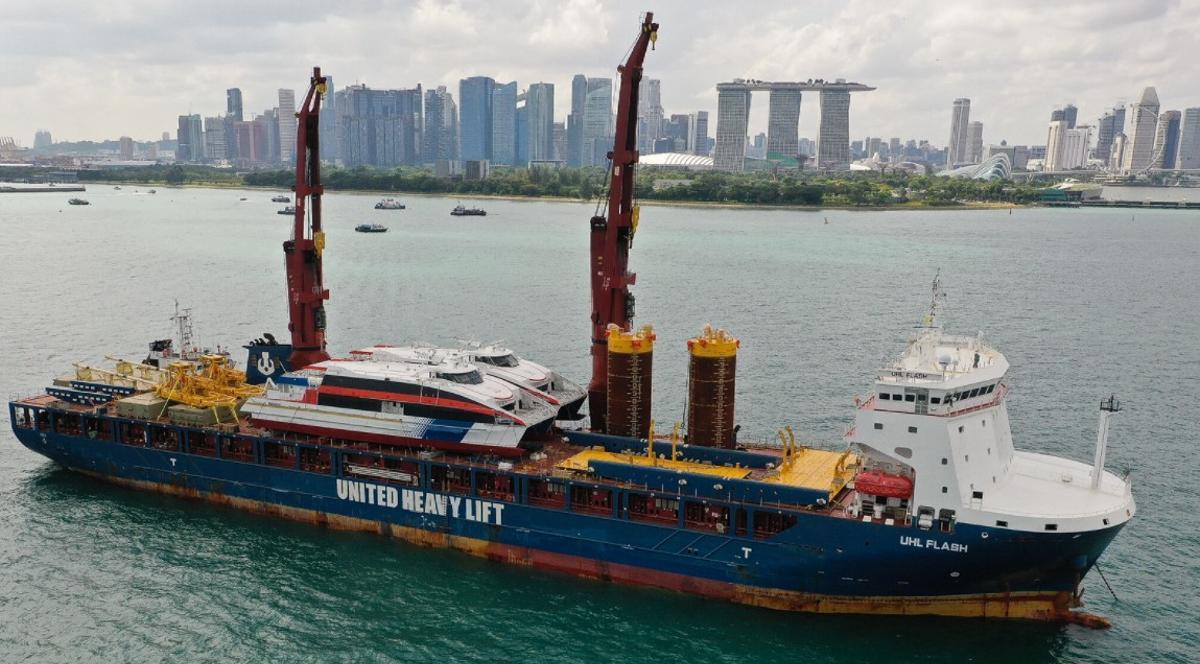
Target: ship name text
954,547
421,502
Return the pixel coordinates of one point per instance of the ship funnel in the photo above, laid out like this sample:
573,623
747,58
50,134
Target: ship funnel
712,358
630,370
1108,407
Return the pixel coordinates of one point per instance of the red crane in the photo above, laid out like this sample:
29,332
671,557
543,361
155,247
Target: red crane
306,290
613,235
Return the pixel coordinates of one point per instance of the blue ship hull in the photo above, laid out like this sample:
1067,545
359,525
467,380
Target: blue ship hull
822,563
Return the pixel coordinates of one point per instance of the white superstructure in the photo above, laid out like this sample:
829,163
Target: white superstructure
939,418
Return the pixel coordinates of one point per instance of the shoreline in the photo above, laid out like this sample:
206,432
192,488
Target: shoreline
571,199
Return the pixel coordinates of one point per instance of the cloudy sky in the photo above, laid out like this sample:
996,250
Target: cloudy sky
92,70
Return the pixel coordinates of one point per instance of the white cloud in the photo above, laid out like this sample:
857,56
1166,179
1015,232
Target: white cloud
97,70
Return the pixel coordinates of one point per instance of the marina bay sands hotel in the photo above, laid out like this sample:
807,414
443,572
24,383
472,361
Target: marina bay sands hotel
783,122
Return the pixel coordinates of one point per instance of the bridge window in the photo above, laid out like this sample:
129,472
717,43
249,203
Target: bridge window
945,461
910,397
905,452
879,425
1051,526
885,396
897,397
912,429
974,393
935,400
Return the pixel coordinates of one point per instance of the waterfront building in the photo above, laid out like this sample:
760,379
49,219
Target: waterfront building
1057,115
833,141
597,122
190,139
699,141
126,144
233,104
1143,121
214,139
42,140
504,124
1054,145
1109,125
328,122
960,117
287,125
539,105
1076,144
475,117
269,120
1116,155
381,128
441,126
650,113
974,143
521,153
783,123
733,118
574,153
1189,139
1070,115
1166,140
560,142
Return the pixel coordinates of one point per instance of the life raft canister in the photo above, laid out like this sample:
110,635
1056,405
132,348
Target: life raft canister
879,483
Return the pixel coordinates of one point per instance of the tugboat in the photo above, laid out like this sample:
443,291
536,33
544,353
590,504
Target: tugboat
281,199
371,228
460,211
291,209
389,204
78,201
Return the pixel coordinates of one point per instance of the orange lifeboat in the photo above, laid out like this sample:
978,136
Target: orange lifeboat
879,483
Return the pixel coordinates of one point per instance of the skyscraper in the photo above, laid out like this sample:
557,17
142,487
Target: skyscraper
733,118
1075,147
475,117
214,139
1189,139
1070,115
1057,115
327,124
833,142
287,125
974,143
700,134
42,140
126,148
539,104
190,138
960,116
382,128
783,123
574,155
650,114
1143,120
504,123
521,157
1055,142
1166,140
233,103
441,126
560,141
597,122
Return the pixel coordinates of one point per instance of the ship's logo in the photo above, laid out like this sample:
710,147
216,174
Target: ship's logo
266,365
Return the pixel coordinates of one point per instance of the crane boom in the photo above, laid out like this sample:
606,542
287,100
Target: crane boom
612,236
306,290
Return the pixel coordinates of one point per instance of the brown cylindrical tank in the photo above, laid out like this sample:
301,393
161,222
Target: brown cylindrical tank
630,369
711,369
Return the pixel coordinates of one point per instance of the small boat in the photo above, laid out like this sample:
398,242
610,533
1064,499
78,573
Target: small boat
243,198
389,204
117,188
371,228
154,191
287,210
460,211
78,201
281,199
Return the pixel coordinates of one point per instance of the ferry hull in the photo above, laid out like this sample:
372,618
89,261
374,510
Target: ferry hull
822,564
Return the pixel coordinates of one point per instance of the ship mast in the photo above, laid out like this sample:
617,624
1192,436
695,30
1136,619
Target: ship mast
306,290
612,235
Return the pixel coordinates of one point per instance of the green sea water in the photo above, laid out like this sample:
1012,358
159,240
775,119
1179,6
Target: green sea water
1083,302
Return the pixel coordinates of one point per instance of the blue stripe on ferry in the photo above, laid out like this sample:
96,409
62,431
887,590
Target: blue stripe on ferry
450,431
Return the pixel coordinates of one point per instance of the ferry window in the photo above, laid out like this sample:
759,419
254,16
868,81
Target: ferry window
984,424
1002,524
910,398
945,490
897,397
885,396
905,452
921,398
1051,526
978,495
935,400
878,425
991,388
960,428
974,393
945,461
503,361
912,429
472,377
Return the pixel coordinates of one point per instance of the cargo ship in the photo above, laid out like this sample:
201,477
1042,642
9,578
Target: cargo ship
926,508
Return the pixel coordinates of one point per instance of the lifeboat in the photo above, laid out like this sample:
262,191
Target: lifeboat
878,483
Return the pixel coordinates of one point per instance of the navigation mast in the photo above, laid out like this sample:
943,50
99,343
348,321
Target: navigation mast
611,236
306,290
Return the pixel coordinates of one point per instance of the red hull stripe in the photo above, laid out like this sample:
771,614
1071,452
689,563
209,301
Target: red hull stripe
442,402
384,439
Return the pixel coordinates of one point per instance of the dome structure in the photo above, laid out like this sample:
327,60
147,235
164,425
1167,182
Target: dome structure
677,160
994,167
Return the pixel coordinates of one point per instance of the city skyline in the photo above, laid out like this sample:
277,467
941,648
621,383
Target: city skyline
164,76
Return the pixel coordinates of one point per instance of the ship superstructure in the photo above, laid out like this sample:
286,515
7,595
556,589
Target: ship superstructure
927,508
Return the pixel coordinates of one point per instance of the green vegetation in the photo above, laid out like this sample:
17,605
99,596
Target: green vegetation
844,190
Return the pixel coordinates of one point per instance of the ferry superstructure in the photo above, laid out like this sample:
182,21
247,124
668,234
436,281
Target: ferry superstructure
927,508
